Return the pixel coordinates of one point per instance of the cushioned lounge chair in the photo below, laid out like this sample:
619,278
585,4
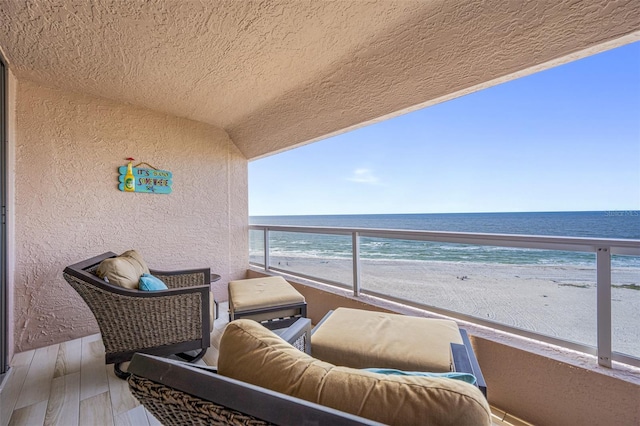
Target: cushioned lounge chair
177,393
264,380
165,322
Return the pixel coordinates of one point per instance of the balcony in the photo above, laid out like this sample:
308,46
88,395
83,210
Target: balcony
82,90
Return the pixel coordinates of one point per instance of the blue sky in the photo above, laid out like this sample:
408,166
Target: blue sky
565,139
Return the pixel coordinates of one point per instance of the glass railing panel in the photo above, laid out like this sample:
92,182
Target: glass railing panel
547,292
321,256
256,247
625,304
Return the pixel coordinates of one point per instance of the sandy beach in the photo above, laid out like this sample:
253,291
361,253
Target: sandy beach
558,301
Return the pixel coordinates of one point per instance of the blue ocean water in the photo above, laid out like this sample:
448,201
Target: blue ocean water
604,224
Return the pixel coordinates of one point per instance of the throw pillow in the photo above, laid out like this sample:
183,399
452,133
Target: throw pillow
124,270
465,377
150,283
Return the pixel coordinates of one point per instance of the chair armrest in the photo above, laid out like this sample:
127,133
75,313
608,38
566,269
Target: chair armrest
465,361
184,278
226,393
298,334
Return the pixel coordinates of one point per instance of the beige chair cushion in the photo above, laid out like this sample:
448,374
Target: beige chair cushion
366,339
255,293
251,353
124,270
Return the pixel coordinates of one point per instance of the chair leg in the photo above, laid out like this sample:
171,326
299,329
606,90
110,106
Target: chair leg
191,358
119,373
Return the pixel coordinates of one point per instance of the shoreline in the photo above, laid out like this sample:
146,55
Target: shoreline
628,274
615,261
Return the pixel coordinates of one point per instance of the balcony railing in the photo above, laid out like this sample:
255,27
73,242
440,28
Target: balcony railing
345,263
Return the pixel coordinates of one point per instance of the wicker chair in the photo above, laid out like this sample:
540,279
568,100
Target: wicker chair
164,322
182,394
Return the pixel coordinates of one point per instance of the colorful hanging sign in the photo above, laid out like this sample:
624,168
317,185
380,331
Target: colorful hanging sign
136,179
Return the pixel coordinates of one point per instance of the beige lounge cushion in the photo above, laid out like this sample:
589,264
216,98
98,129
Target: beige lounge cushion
366,339
251,353
255,293
124,270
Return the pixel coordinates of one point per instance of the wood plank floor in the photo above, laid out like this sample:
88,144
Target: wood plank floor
68,384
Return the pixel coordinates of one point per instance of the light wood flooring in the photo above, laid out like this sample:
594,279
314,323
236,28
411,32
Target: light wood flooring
68,384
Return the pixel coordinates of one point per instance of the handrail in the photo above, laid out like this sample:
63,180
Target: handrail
618,246
604,248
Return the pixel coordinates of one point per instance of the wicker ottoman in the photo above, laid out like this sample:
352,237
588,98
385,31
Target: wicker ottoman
272,301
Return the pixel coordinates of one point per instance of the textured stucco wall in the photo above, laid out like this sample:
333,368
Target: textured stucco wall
68,207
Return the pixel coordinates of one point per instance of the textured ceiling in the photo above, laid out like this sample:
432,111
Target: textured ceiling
279,73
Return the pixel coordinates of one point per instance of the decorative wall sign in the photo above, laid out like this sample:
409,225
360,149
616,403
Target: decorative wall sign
136,179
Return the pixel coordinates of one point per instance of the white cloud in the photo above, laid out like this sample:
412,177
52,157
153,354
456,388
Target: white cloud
364,176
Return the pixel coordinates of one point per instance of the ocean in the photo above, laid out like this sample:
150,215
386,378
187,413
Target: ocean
599,224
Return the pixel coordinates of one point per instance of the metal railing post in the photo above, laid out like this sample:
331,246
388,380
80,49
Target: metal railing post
603,284
355,245
267,249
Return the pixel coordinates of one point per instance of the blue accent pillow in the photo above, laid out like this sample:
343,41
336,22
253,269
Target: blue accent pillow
150,283
465,377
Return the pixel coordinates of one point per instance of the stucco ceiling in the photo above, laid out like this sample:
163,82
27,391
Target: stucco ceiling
278,73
